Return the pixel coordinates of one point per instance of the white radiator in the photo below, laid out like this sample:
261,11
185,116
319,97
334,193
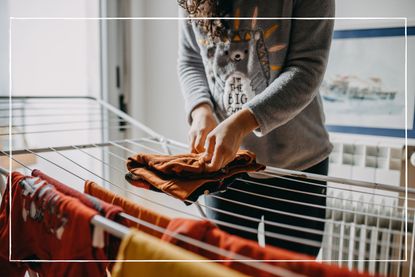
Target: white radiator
365,228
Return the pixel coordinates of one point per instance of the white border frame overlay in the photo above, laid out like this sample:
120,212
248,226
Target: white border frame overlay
404,19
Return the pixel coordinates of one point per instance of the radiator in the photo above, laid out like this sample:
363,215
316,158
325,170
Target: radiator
375,240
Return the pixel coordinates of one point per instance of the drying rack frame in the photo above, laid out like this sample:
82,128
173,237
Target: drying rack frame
168,143
268,171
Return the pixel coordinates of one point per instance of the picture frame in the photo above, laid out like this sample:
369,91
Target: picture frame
363,90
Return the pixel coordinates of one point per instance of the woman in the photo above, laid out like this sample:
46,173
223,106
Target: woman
260,79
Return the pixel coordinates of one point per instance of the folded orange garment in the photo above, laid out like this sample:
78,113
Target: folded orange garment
185,176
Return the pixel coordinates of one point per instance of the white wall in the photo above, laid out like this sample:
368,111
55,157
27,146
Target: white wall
375,8
157,100
4,47
52,57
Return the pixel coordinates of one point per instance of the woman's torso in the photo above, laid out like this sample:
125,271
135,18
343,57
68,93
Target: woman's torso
244,67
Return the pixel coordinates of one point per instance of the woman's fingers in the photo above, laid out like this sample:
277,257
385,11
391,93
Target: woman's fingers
216,162
222,155
200,142
192,139
210,147
197,141
203,122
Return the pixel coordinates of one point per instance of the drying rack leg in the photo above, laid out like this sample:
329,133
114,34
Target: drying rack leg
2,185
31,273
411,249
201,211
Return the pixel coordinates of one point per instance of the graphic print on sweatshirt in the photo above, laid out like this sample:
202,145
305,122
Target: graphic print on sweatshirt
241,67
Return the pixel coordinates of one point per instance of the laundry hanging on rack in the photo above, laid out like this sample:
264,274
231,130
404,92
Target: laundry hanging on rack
207,232
140,246
42,206
7,268
129,207
367,241
185,176
135,209
46,225
157,226
341,272
104,208
11,269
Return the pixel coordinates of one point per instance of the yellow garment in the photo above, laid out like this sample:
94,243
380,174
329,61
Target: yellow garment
141,246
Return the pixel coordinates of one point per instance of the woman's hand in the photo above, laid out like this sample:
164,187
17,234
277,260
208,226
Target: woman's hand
203,121
223,142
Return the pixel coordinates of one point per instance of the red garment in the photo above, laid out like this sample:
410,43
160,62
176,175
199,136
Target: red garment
60,230
11,269
210,234
185,176
105,209
7,268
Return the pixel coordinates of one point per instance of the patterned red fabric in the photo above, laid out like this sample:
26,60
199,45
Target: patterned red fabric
48,225
105,209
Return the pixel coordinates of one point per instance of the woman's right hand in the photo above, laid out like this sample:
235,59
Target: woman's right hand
203,121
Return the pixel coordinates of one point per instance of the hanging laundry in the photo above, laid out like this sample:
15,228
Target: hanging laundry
48,225
7,268
210,234
140,246
11,269
105,209
185,176
130,208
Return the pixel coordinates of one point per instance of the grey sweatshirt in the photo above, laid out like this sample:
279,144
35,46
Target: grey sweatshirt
274,68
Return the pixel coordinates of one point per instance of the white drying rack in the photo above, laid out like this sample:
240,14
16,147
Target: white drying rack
76,127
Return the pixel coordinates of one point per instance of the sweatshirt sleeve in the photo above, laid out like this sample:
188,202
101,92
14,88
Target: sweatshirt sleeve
192,76
303,70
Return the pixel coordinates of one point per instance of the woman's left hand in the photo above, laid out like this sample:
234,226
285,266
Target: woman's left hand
223,142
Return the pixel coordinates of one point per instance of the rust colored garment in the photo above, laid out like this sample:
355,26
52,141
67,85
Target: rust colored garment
184,176
208,233
130,208
48,225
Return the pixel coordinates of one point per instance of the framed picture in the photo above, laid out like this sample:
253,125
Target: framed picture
364,87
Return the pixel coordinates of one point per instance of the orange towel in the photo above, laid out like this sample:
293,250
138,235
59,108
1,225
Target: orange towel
129,207
184,176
